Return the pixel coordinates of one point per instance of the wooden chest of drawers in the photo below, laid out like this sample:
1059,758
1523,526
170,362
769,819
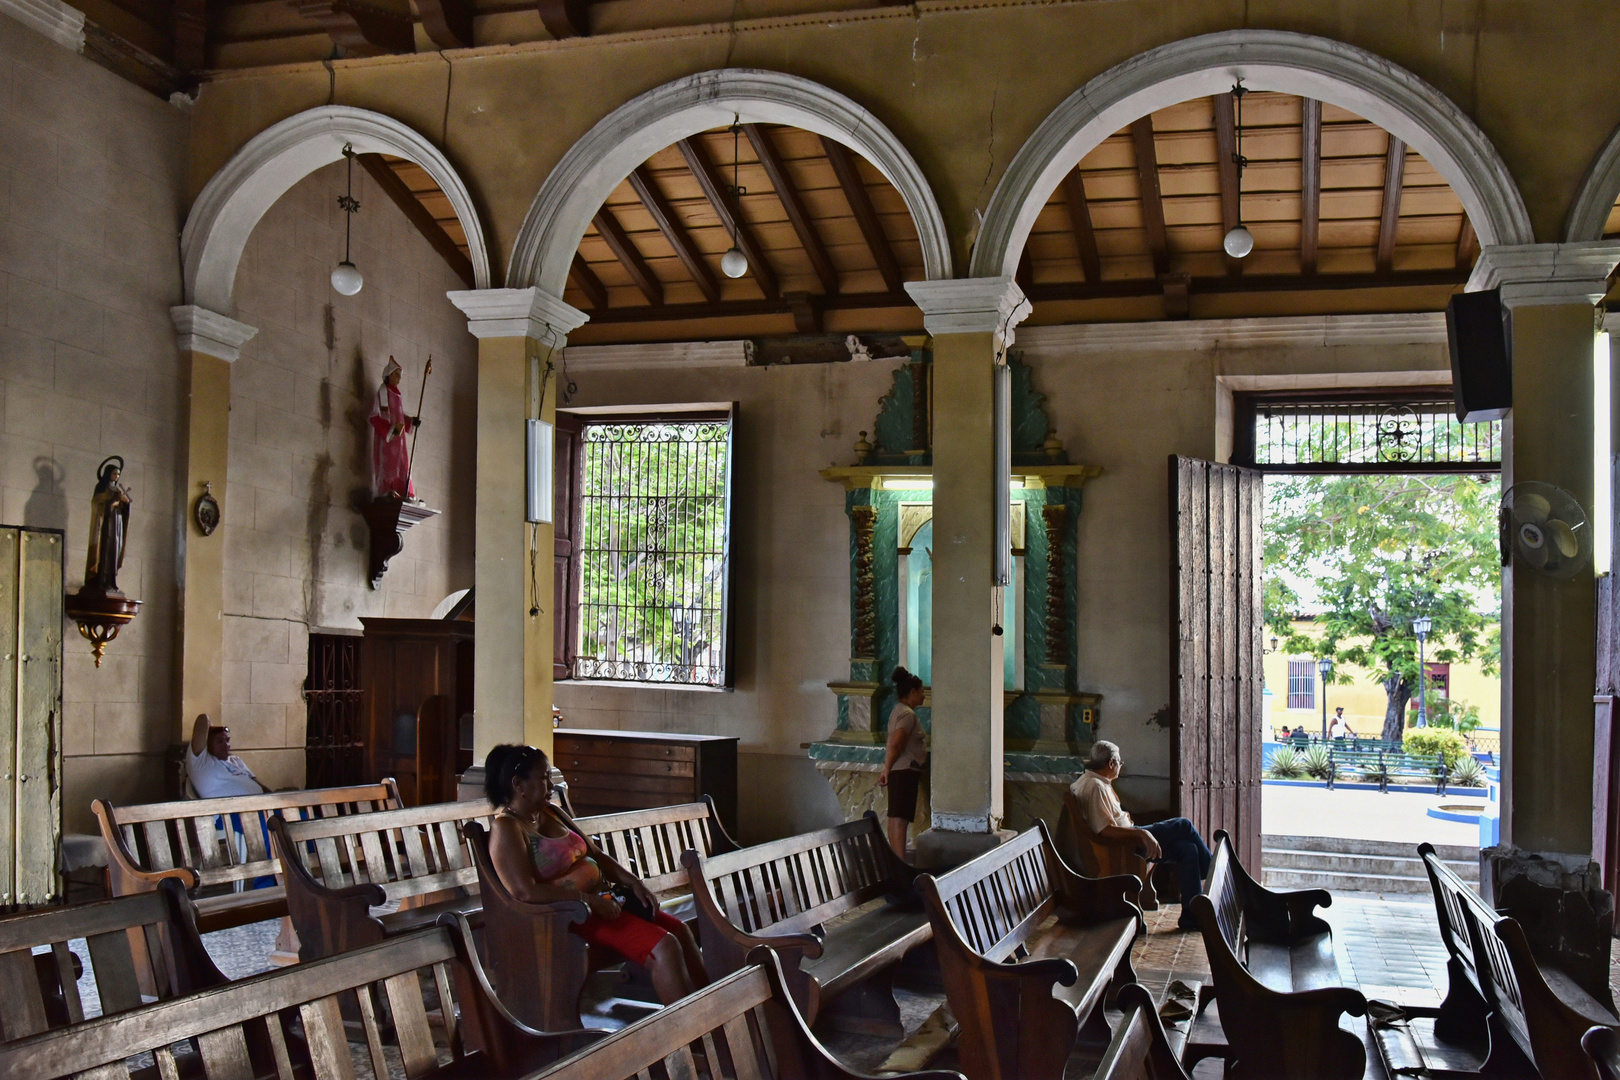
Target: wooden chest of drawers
609,771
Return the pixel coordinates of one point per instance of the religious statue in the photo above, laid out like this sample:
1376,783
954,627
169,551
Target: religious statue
109,523
390,458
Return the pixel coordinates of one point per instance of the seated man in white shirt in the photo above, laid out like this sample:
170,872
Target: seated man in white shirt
214,771
1174,840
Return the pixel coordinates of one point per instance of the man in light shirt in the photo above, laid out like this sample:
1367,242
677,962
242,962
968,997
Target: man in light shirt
214,771
1174,840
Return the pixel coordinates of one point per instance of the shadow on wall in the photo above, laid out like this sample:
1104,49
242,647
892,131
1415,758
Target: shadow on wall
47,504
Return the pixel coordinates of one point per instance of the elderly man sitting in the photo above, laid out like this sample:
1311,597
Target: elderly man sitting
1174,840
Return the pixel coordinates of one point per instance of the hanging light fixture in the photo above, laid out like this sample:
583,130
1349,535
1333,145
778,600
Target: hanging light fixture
734,264
1239,241
346,278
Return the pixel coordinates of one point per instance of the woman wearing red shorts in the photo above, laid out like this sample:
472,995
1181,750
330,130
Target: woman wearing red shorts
542,858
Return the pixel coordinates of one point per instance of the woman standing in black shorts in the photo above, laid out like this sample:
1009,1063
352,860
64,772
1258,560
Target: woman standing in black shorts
904,756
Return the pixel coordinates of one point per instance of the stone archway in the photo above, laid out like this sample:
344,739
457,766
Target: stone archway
1600,187
224,215
626,137
1316,67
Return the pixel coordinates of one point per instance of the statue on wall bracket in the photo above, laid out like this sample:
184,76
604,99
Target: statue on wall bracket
393,507
100,608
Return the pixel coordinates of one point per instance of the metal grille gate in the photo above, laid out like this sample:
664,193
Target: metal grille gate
334,743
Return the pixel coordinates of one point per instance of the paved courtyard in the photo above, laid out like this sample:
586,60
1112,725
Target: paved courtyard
1365,815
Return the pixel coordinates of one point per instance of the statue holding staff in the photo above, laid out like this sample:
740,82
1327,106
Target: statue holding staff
390,456
109,524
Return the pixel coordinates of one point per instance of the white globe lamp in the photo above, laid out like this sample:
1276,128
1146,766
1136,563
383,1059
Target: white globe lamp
734,264
346,278
1238,242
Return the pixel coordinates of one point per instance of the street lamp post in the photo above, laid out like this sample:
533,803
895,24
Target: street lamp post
1421,627
1325,666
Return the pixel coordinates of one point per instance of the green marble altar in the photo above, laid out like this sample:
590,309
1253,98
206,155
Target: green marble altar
888,497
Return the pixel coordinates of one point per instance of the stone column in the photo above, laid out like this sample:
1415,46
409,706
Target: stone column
518,332
209,343
1548,640
971,322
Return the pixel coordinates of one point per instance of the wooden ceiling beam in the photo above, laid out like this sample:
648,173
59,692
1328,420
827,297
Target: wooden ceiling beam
362,27
663,215
1147,175
697,160
189,34
565,18
1310,184
787,193
1389,219
1467,245
860,203
449,23
1226,149
589,284
401,195
618,242
1255,283
1085,238
806,310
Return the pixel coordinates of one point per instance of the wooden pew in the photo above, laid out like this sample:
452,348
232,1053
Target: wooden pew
1139,1050
1102,857
416,856
218,845
783,893
1276,981
650,843
1020,985
399,994
745,1025
1602,1045
41,991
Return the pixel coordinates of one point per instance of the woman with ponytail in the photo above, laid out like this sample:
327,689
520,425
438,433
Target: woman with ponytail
542,857
904,756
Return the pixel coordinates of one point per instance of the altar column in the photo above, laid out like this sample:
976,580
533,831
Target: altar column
971,323
1548,632
518,332
209,343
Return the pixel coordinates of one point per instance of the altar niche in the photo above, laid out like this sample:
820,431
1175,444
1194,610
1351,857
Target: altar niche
1049,720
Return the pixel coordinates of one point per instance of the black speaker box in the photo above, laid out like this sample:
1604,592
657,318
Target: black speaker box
1481,356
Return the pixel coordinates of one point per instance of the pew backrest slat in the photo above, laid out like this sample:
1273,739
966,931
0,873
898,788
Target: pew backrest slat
797,883
407,852
996,900
650,843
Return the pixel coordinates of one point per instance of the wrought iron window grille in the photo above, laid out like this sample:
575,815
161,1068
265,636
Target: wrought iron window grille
1398,433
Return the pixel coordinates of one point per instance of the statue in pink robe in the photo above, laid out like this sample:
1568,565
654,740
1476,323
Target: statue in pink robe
390,457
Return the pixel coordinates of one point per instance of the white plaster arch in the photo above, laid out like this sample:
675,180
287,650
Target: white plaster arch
1600,187
630,134
239,194
1352,78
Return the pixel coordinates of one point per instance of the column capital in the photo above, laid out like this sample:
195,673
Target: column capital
531,313
990,305
197,329
1530,274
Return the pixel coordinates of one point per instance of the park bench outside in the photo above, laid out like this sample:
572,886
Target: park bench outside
1385,767
784,893
746,1025
1277,987
1105,857
1139,1050
414,856
218,847
146,944
394,999
1022,986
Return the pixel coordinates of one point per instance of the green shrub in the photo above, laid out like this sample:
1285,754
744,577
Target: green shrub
1468,773
1315,763
1285,764
1428,742
1375,771
1453,713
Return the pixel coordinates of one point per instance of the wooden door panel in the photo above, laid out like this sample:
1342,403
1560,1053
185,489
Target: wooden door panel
569,464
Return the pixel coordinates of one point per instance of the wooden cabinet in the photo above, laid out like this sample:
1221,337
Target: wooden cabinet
609,771
417,675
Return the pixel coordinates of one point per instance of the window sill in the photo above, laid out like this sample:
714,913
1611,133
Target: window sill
626,684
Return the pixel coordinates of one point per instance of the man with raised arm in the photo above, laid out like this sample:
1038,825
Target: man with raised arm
214,771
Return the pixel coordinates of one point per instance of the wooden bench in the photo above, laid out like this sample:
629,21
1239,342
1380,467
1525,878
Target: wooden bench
1139,1050
650,843
1021,984
747,1025
145,944
784,894
1602,1046
215,847
416,857
1504,1014
1102,857
1276,981
397,994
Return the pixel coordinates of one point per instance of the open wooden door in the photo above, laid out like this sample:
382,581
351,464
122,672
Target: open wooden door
569,463
1215,647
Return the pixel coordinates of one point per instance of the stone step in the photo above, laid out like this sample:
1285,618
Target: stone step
1335,882
1349,846
1369,865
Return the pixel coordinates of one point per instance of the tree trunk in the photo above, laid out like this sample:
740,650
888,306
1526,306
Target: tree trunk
1399,692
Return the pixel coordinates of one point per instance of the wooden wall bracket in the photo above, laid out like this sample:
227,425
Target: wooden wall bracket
388,517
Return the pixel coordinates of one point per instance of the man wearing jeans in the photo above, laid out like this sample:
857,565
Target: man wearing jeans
1174,840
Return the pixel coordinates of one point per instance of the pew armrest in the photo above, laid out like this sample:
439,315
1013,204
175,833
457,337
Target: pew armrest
126,872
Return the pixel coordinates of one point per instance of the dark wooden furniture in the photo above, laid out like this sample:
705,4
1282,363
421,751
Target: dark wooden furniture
650,843
1139,1050
146,944
1101,857
610,771
417,675
394,999
1275,977
745,1025
1020,989
783,894
416,855
1602,1046
215,847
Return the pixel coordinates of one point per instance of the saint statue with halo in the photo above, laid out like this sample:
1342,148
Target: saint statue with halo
109,525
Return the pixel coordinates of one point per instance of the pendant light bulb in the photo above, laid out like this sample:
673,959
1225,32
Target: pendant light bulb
1238,242
346,278
734,264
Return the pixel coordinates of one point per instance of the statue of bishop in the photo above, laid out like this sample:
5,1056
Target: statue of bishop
390,457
